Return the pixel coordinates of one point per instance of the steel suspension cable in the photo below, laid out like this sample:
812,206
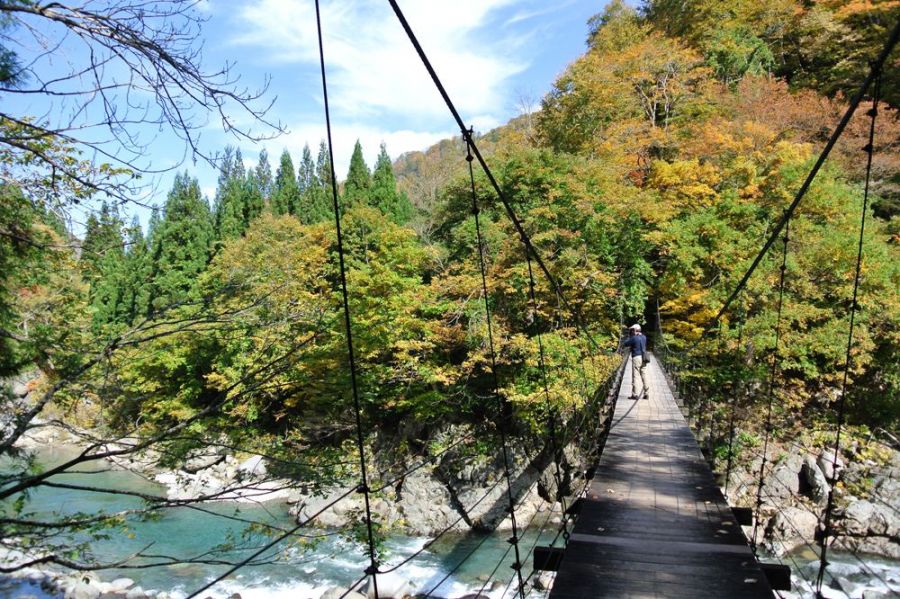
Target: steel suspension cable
877,66
870,151
468,137
351,357
502,405
771,392
552,412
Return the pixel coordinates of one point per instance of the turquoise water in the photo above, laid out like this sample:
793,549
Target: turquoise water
454,566
304,568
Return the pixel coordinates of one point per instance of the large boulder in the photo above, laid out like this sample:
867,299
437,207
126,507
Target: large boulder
316,508
816,481
201,460
857,517
426,506
253,467
783,483
790,528
480,487
136,593
82,590
887,488
827,463
391,586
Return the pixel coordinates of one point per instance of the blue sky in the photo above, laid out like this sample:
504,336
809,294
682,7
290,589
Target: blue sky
491,55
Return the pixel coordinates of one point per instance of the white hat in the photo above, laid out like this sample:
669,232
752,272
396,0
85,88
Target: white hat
636,327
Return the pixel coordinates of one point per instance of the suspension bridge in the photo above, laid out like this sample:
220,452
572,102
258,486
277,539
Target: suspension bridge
651,520
654,523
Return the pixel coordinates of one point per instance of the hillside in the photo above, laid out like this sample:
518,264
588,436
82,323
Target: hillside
658,164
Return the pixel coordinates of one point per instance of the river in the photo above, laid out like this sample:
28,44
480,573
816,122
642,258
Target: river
310,565
305,568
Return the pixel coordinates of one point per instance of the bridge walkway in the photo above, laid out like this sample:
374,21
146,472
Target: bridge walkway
654,524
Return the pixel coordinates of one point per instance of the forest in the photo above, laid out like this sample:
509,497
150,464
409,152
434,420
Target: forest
648,178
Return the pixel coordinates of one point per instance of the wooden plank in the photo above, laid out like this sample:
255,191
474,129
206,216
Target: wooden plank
654,524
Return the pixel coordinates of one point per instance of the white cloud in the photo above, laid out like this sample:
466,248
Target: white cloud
204,7
372,67
526,15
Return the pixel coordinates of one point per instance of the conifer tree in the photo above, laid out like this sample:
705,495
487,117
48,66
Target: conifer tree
323,201
254,197
103,255
230,209
285,193
102,258
137,272
103,233
384,194
356,187
181,245
306,174
316,199
308,184
263,172
153,228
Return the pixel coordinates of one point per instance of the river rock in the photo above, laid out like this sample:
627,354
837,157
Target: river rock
481,490
338,592
202,460
827,463
887,488
425,504
82,590
783,483
815,478
136,593
120,585
391,586
883,546
853,590
857,517
831,593
337,515
544,582
790,528
254,466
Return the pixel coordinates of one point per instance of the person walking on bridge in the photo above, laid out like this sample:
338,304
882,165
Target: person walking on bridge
638,345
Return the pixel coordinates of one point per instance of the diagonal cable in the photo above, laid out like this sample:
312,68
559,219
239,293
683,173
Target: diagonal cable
877,66
468,137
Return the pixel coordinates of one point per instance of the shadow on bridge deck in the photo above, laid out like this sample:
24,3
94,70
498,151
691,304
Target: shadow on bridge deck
654,523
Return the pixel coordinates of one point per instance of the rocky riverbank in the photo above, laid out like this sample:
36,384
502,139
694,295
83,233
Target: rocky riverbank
867,498
456,490
30,583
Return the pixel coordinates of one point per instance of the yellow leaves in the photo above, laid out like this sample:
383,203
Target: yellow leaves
685,183
688,314
218,381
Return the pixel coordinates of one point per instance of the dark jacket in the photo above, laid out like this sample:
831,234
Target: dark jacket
638,344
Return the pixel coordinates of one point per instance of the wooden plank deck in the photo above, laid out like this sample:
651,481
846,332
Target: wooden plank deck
654,524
